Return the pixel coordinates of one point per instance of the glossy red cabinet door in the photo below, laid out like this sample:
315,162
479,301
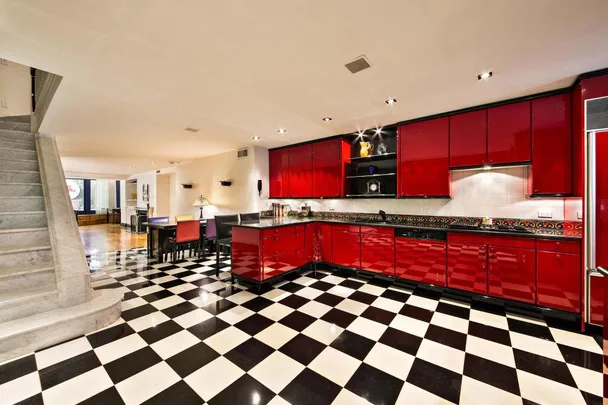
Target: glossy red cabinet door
318,243
421,260
467,267
509,134
328,166
511,273
300,171
346,248
279,264
597,294
551,170
468,139
378,250
559,280
278,170
247,253
424,167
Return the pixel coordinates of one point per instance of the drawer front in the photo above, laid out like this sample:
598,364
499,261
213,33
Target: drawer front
283,230
562,246
346,228
283,243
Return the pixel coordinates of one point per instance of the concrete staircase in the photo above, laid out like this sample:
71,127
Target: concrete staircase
35,309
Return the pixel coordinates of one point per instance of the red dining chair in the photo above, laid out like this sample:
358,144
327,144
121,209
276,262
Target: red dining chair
186,233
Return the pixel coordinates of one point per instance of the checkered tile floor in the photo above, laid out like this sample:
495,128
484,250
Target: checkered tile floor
188,337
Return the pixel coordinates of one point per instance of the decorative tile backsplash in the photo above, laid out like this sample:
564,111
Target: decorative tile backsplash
496,193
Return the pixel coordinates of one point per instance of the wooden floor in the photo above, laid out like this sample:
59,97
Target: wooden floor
107,238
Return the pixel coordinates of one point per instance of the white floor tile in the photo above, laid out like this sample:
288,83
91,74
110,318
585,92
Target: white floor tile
315,309
226,340
276,311
392,361
411,394
205,298
335,365
442,355
333,279
148,321
537,346
322,331
345,397
490,350
241,297
278,401
192,318
212,287
544,391
163,279
168,302
351,306
178,289
119,348
78,388
276,335
145,385
235,315
276,295
368,328
305,280
486,318
582,342
450,322
409,325
387,304
62,352
422,302
309,292
276,371
148,290
340,291
474,392
174,344
132,303
587,380
371,289
19,389
211,379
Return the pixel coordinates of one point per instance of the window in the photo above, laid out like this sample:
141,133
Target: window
76,191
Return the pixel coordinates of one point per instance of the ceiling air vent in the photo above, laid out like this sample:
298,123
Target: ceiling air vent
242,153
189,129
359,64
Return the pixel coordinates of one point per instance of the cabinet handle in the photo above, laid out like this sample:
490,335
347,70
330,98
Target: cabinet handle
558,257
557,243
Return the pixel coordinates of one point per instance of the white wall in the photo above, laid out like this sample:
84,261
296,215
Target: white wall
497,193
163,195
15,89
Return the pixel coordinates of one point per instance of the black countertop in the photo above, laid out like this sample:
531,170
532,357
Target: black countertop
267,223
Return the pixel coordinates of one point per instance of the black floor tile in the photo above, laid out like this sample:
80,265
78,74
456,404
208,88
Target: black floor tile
244,391
395,295
67,369
353,344
208,328
294,301
179,309
374,385
322,285
591,399
339,317
159,295
138,286
329,299
106,336
530,329
109,286
129,296
258,303
362,297
179,393
160,331
488,306
131,364
379,315
188,361
137,312
291,287
172,283
249,354
491,373
351,284
543,366
447,337
421,314
401,341
309,388
109,396
37,400
297,321
17,368
203,281
436,380
217,307
581,358
453,310
254,324
191,294
489,333
380,282
302,348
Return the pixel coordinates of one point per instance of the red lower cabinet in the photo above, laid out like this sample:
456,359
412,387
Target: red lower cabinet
559,280
378,250
346,246
467,267
247,253
511,273
318,243
421,260
597,295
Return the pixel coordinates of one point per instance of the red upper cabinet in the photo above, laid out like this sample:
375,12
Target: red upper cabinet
424,168
300,171
468,139
551,171
509,134
278,167
328,165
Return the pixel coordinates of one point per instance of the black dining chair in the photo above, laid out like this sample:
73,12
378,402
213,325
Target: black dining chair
223,235
252,216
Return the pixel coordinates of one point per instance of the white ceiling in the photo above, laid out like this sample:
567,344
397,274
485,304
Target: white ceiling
137,72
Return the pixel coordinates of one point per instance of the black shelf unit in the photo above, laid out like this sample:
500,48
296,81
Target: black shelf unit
379,168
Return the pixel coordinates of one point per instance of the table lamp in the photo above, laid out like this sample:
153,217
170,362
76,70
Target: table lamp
201,202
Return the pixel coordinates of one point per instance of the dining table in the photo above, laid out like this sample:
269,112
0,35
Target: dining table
164,231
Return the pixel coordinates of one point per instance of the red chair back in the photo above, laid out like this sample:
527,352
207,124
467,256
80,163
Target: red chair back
188,231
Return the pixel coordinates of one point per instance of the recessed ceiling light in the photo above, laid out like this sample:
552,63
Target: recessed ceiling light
190,129
282,131
255,138
378,131
484,75
153,163
326,119
135,167
390,101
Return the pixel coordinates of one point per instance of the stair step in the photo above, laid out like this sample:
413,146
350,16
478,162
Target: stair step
8,153
14,238
26,256
16,126
18,164
17,144
19,176
21,189
34,300
17,118
21,136
20,220
21,204
23,277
